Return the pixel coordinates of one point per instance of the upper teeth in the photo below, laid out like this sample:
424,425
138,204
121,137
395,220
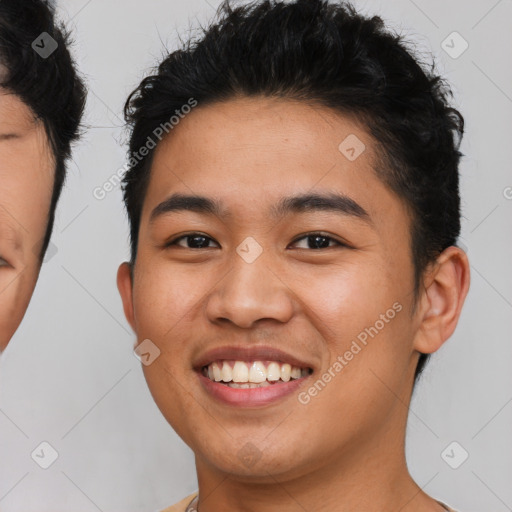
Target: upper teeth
256,371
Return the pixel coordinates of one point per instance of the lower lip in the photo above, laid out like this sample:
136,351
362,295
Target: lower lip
252,397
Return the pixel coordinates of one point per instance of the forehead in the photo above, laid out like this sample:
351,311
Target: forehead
22,135
15,115
26,173
252,156
260,149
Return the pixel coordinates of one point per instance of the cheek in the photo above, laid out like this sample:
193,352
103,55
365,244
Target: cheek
342,302
362,314
15,294
164,296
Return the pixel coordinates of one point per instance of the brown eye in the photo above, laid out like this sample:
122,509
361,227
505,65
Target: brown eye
192,241
317,241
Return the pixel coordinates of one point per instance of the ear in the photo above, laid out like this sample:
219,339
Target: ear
446,287
125,287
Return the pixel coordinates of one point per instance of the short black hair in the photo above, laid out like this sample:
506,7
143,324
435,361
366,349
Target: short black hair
326,54
49,85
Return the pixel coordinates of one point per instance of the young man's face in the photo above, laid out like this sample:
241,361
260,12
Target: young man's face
256,284
26,177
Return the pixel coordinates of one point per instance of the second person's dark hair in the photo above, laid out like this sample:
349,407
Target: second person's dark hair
49,85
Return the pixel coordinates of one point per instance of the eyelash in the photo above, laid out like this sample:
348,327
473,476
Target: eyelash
305,236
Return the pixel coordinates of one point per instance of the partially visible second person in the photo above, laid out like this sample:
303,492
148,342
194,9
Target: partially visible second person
42,100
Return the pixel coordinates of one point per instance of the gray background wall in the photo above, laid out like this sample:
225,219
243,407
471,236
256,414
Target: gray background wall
69,376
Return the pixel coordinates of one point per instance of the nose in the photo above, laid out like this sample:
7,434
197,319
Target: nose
250,293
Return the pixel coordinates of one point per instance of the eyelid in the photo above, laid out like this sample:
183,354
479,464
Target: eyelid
191,234
339,242
175,239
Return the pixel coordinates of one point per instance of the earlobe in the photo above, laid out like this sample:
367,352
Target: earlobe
442,300
124,285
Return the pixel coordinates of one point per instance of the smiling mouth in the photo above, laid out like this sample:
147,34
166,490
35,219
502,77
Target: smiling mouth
252,374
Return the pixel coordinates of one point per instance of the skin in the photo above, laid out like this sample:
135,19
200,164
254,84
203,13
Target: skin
26,174
330,453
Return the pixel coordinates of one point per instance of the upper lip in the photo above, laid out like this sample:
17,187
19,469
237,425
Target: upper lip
242,353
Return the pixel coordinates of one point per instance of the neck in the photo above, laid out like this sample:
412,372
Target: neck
371,476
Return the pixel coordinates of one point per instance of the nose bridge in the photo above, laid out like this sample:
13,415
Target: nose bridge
250,291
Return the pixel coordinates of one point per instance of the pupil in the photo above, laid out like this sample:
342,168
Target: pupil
317,241
203,242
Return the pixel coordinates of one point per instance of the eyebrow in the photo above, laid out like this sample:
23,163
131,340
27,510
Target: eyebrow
333,202
192,203
9,136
